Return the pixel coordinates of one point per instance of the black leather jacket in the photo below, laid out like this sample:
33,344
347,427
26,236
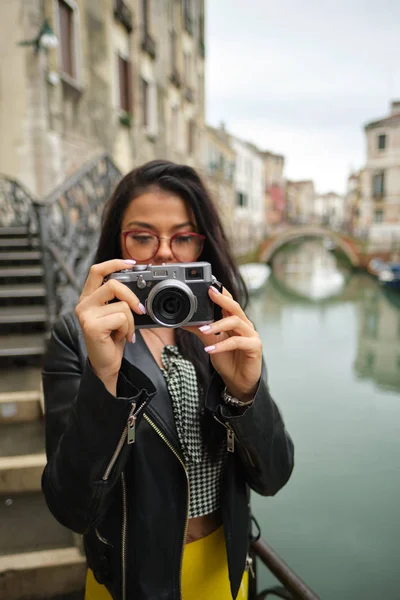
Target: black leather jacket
131,500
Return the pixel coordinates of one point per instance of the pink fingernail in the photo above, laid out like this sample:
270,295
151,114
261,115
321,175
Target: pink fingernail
214,289
209,348
128,261
134,338
204,328
142,309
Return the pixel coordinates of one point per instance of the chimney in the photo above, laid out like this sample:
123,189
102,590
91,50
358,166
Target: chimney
396,107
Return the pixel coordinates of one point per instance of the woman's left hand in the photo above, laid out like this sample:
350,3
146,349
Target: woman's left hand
236,354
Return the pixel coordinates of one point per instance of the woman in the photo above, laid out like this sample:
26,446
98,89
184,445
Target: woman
167,516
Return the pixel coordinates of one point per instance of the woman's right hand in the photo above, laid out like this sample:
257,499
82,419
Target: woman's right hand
107,327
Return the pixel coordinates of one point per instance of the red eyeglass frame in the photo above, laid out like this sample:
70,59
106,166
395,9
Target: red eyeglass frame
198,235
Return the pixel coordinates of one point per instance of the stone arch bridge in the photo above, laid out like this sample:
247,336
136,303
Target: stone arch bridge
276,241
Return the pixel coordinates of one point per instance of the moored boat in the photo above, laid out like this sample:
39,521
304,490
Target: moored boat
255,275
375,266
389,276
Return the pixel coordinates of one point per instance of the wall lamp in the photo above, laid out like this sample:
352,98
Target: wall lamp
45,39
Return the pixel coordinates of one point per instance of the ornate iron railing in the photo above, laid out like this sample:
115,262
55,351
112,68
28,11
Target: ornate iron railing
16,205
69,222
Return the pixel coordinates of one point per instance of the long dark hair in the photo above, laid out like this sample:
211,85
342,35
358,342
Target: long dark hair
183,181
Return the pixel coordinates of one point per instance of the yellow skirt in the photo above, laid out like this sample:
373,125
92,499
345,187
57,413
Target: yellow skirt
204,573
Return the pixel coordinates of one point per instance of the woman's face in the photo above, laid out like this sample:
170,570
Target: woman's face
151,224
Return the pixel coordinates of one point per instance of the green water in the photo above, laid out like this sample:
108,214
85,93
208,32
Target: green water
334,370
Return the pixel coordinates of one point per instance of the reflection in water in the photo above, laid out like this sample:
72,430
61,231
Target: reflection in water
378,356
310,271
334,368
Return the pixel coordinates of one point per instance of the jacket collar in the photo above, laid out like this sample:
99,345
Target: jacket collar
160,408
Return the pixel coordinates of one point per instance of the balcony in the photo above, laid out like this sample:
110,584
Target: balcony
175,78
149,45
123,14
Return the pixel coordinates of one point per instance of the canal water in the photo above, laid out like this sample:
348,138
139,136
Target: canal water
332,345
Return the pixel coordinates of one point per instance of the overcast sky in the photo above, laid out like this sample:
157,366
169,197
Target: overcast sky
302,77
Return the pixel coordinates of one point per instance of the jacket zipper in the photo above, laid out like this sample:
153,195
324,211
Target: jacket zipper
130,425
162,436
123,535
230,440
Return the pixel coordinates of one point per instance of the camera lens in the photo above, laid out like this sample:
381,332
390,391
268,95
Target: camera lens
171,306
171,303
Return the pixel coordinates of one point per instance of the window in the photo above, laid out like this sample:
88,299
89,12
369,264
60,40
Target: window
149,107
382,141
146,14
174,50
145,102
378,184
191,132
241,199
175,127
125,84
378,216
187,71
188,16
67,38
201,34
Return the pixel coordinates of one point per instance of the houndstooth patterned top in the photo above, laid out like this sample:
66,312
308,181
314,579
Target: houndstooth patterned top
204,474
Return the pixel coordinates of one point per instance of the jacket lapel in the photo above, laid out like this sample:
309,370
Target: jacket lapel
160,408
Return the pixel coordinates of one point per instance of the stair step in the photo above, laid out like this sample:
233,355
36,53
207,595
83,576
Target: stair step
21,345
18,242
20,407
21,473
28,271
27,290
22,314
54,574
28,526
20,255
10,231
19,380
20,439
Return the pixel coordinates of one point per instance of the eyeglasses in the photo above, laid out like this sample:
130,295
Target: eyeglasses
143,245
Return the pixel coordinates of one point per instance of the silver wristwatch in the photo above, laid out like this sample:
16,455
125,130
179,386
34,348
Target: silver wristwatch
232,401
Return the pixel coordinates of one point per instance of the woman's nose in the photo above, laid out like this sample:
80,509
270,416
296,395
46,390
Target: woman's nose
164,253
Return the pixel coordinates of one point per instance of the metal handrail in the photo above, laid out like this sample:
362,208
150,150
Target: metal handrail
69,221
292,583
73,179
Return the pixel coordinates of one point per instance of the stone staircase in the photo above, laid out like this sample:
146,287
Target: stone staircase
38,557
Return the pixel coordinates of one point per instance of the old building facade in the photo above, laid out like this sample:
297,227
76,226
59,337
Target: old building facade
379,210
275,195
126,78
249,220
330,210
354,203
300,197
220,160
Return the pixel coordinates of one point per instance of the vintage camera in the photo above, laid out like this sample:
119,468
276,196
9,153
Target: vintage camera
174,294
